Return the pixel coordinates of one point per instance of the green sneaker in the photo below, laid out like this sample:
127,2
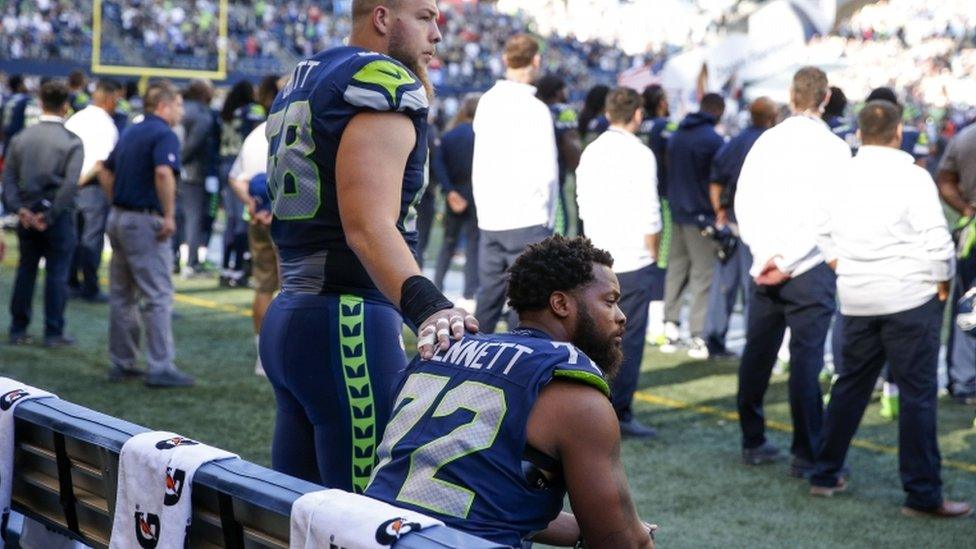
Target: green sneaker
889,407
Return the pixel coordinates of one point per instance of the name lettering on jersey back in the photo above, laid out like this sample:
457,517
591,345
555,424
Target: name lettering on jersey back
487,355
300,76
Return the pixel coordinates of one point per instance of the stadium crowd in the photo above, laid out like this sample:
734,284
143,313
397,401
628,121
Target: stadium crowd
707,214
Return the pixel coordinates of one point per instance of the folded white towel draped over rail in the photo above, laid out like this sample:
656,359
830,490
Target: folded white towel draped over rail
12,393
153,501
344,519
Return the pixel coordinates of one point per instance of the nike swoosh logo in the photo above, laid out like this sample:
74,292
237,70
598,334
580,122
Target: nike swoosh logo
397,75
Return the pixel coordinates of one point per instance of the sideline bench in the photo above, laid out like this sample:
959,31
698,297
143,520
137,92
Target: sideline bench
65,477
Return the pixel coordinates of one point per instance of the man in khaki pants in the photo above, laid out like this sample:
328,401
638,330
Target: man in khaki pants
140,179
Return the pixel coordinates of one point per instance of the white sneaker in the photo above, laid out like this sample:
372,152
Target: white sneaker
698,350
671,339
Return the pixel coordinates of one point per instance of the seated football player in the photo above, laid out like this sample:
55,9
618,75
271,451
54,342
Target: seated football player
491,434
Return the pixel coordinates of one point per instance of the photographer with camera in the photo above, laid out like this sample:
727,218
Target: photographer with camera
732,271
42,194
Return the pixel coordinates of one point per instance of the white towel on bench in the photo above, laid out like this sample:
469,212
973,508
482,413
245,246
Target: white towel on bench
152,505
339,518
12,393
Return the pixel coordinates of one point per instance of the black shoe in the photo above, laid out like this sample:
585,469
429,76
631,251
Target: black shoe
964,398
97,298
169,378
118,373
803,469
20,339
636,429
58,341
760,455
723,354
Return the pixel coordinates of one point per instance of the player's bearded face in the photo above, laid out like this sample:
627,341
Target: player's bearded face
412,47
602,346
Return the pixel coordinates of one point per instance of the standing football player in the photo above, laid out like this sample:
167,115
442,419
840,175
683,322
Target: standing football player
347,164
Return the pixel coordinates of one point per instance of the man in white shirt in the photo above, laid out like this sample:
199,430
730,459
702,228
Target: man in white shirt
616,185
96,128
514,174
251,163
781,181
894,262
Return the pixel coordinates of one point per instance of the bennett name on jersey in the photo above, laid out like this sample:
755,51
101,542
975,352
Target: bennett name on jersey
490,435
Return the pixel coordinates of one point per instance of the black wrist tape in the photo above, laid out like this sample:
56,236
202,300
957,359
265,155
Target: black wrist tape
419,299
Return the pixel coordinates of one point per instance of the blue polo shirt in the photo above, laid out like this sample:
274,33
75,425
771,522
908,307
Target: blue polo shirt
454,159
727,164
141,148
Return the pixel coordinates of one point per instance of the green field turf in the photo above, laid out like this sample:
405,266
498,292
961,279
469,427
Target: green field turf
689,480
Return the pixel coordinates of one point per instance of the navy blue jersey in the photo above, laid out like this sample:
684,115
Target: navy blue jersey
242,123
915,143
78,100
454,446
844,130
304,128
566,120
15,114
655,132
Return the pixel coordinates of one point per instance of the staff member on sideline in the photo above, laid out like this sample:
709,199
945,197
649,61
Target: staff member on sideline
781,179
733,273
514,174
957,187
893,263
39,183
617,194
96,128
250,164
691,257
140,179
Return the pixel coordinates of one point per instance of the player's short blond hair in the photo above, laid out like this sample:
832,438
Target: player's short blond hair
364,8
810,88
520,50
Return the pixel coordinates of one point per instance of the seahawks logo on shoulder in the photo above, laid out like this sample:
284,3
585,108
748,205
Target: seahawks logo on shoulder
384,85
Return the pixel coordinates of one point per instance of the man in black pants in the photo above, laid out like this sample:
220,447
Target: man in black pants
452,164
40,180
894,263
782,180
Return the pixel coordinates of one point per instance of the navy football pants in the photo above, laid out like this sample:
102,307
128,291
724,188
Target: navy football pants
333,362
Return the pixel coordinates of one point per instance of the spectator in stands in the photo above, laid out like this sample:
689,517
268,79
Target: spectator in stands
453,162
733,272
592,119
617,188
893,263
691,261
238,117
40,179
140,179
957,187
191,194
552,92
775,207
514,173
78,84
655,131
97,130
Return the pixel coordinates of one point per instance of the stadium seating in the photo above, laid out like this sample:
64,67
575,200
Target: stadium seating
66,468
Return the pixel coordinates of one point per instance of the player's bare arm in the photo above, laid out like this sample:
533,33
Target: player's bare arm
368,191
590,456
